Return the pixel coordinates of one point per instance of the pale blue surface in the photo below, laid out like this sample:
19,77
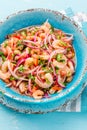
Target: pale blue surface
10,120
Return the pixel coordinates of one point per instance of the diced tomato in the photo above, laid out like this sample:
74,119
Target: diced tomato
56,88
63,73
17,36
35,61
34,89
9,56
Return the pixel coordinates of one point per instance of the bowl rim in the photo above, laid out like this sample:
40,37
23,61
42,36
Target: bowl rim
69,89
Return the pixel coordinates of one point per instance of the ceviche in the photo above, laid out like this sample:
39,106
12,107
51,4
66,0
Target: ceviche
37,61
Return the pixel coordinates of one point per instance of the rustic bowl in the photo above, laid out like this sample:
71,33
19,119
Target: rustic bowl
31,17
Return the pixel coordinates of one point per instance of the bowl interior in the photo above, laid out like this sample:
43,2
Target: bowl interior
57,20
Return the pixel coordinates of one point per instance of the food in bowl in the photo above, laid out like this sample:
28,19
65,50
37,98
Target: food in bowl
37,61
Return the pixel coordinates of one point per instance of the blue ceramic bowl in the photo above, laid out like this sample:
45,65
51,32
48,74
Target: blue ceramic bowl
31,17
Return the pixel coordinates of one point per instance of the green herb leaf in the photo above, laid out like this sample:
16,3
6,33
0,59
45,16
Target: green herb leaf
21,68
65,83
47,81
57,69
31,77
5,44
49,70
3,57
63,43
52,28
1,53
68,49
12,78
41,62
62,60
59,56
58,37
23,33
46,46
19,43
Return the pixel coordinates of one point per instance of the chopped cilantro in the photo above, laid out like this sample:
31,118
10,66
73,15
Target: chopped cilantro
12,78
5,43
63,43
41,62
46,46
50,70
3,58
59,56
23,33
52,28
19,43
57,69
65,83
31,77
47,81
62,60
21,68
2,55
68,49
58,37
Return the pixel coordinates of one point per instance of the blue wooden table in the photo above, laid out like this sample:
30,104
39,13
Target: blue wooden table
11,120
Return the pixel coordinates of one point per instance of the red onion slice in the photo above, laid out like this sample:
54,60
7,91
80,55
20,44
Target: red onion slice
49,40
14,75
71,66
32,47
59,83
29,85
31,71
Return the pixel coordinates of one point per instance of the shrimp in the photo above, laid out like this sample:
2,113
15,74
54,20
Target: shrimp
17,52
46,27
8,49
22,87
4,67
56,45
71,66
38,94
5,76
44,56
4,50
47,76
60,64
68,79
28,62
